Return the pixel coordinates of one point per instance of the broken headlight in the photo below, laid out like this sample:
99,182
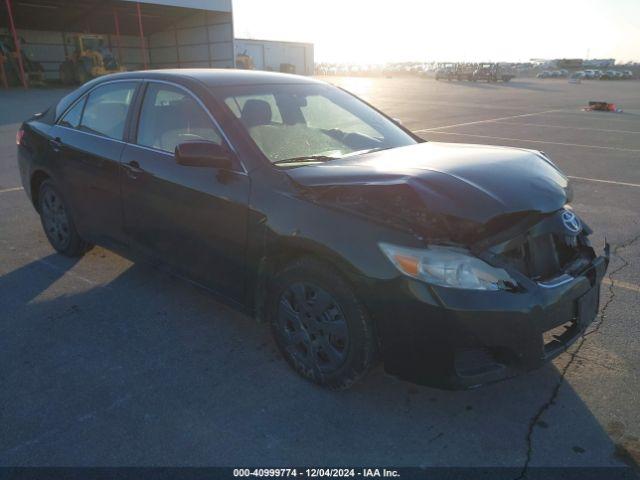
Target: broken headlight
448,267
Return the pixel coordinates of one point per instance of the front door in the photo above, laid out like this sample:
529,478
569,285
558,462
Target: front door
192,218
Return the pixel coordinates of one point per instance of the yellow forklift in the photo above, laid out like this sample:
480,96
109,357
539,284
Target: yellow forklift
89,58
244,61
9,68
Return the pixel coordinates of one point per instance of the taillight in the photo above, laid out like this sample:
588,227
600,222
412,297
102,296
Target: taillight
19,136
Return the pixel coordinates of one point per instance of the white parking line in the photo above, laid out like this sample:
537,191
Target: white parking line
620,284
635,150
67,271
490,120
14,189
605,181
566,127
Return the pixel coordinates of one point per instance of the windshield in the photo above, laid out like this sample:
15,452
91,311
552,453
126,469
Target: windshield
92,43
315,122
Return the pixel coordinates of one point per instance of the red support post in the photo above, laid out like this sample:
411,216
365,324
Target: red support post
117,25
142,45
16,42
3,75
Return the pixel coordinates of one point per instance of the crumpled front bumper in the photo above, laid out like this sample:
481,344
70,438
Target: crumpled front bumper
458,339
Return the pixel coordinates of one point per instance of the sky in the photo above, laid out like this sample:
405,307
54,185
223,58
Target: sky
379,31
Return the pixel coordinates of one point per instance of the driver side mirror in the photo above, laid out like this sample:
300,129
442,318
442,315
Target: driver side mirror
204,154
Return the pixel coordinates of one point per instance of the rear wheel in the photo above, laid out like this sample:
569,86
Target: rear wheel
319,325
57,222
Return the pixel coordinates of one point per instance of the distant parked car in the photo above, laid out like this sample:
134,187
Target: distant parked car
627,74
545,74
577,75
611,75
445,73
589,74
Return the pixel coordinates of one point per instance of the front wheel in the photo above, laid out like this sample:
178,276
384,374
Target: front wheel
319,325
57,222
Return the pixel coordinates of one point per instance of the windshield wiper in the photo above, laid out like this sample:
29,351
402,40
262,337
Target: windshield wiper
366,150
326,158
306,158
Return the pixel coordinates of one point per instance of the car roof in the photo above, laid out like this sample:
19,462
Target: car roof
208,77
216,77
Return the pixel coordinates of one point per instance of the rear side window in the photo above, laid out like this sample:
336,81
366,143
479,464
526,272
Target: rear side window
106,110
171,116
72,118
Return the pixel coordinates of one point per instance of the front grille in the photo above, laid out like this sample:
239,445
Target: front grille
543,257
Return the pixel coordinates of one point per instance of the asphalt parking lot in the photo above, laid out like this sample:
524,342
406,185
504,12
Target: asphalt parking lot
106,362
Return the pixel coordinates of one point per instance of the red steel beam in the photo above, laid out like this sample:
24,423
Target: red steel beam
23,77
3,76
142,45
116,22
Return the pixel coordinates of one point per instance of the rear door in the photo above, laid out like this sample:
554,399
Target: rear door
88,143
193,218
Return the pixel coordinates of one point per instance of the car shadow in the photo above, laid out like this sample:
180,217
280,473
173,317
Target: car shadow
147,369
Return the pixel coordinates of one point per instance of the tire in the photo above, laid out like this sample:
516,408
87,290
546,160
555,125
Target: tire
319,325
66,73
81,75
57,222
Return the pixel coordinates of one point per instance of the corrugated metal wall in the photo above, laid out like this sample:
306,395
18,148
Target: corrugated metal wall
201,40
48,48
271,55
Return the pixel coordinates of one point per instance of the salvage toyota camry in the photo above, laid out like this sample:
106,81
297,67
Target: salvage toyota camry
456,265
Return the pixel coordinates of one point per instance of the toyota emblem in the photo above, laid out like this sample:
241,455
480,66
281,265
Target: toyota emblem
571,221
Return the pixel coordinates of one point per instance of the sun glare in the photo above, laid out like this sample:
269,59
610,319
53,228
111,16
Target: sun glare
375,31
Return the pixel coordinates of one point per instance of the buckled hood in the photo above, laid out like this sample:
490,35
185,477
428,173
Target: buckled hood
444,189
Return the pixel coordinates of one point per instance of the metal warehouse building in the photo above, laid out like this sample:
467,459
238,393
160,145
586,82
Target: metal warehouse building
145,34
270,55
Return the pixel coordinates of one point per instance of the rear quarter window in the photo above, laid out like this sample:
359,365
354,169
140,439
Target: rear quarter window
72,118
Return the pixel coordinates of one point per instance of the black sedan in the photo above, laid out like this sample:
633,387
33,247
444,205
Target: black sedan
293,200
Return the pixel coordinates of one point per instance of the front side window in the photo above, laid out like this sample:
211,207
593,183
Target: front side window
171,116
296,122
106,110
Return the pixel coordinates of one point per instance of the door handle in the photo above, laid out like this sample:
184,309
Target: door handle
56,144
133,169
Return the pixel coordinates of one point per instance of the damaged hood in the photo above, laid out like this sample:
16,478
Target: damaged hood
443,189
